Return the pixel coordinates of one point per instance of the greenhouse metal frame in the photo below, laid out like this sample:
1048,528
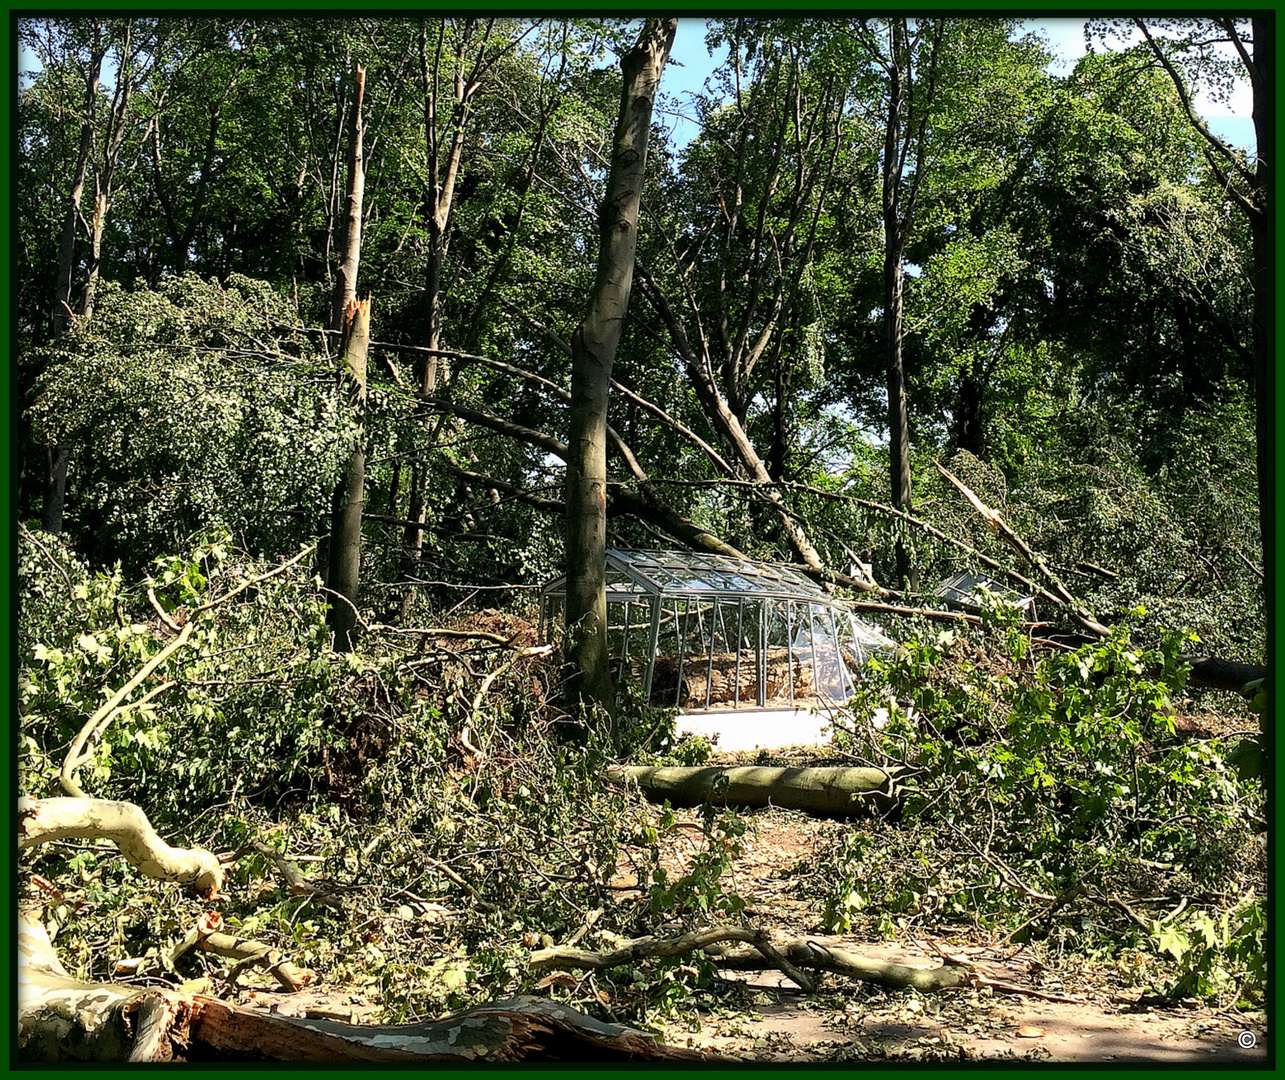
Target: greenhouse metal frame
782,636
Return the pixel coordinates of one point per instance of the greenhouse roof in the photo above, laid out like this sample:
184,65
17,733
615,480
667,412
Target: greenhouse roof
687,573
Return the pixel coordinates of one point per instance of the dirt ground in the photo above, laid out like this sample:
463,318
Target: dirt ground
771,1020
846,1021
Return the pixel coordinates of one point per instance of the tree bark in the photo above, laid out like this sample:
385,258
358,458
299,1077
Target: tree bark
752,956
60,1019
593,348
344,563
837,792
345,289
43,820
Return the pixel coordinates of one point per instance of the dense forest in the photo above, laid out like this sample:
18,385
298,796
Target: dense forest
335,339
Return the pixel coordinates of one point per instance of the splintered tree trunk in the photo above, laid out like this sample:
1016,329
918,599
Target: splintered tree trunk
344,571
352,319
593,354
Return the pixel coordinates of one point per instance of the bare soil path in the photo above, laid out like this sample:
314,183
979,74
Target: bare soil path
851,1022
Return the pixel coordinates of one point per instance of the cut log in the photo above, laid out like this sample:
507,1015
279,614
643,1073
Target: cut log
718,677
837,792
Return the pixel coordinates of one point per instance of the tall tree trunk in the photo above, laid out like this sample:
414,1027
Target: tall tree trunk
345,289
344,570
352,318
444,170
593,349
898,213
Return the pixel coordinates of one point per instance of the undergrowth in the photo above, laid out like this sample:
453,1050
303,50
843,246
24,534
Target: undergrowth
426,783
1053,798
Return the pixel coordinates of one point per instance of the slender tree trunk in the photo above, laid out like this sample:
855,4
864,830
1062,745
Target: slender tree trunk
62,312
113,142
59,455
352,318
593,349
895,235
437,211
345,290
344,570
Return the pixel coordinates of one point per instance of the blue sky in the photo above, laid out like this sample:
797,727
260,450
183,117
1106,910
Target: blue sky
1066,42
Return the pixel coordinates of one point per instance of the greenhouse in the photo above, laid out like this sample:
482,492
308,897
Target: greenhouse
753,652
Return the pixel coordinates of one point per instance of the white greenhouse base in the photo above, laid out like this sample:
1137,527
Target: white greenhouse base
758,729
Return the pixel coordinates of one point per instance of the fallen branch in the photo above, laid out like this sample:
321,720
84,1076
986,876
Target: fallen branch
795,955
258,579
979,975
1060,592
250,954
96,724
297,881
926,613
40,821
650,948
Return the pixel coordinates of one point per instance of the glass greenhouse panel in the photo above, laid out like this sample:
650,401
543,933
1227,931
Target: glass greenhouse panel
709,632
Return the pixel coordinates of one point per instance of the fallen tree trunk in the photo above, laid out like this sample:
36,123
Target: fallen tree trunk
816,957
1219,674
839,792
60,1019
